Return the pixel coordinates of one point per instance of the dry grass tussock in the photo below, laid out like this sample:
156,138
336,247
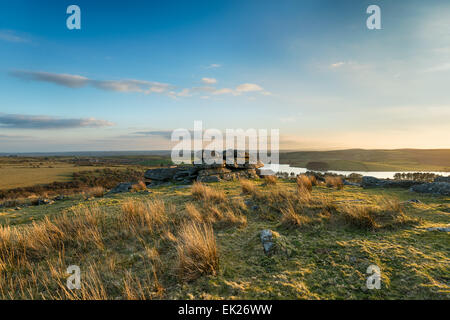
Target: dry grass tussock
221,215
140,186
313,180
387,214
305,182
147,214
133,250
298,207
203,192
34,257
97,192
361,216
270,180
197,252
305,207
81,229
248,187
290,218
334,182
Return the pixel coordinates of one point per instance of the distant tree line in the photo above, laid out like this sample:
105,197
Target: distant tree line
416,176
317,166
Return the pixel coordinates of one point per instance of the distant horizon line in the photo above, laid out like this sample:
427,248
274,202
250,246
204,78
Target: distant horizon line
169,150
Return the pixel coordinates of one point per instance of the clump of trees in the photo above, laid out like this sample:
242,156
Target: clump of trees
416,176
317,166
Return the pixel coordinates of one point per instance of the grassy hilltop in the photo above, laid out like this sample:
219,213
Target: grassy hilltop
203,242
373,160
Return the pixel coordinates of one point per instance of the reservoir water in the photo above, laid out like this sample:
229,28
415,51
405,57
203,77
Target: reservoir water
285,168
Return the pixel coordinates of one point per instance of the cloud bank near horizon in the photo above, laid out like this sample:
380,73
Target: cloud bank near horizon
74,81
20,121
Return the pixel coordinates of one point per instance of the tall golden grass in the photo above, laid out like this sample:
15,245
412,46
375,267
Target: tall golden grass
149,214
334,182
303,207
388,213
313,180
221,215
97,192
80,229
360,216
203,192
225,216
34,257
270,180
197,252
304,183
35,254
193,213
290,218
248,187
140,186
133,250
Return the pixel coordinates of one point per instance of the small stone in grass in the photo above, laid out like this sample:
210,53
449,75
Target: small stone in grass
267,241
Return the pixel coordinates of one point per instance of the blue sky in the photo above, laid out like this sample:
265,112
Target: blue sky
138,69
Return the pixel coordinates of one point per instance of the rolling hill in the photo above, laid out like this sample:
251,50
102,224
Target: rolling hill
374,160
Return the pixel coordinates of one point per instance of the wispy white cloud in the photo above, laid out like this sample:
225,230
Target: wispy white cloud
14,137
444,50
439,68
77,81
242,88
134,85
12,36
248,87
337,64
164,134
209,80
348,65
223,91
131,85
214,66
19,121
182,93
67,80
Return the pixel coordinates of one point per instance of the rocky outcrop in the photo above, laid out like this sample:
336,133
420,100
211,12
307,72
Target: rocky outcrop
349,183
122,187
372,182
40,202
442,179
161,174
438,188
238,167
442,229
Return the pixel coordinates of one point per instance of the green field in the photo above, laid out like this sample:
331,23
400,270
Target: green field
373,160
324,258
16,176
17,172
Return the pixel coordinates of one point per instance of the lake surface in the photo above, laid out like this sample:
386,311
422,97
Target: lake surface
377,174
